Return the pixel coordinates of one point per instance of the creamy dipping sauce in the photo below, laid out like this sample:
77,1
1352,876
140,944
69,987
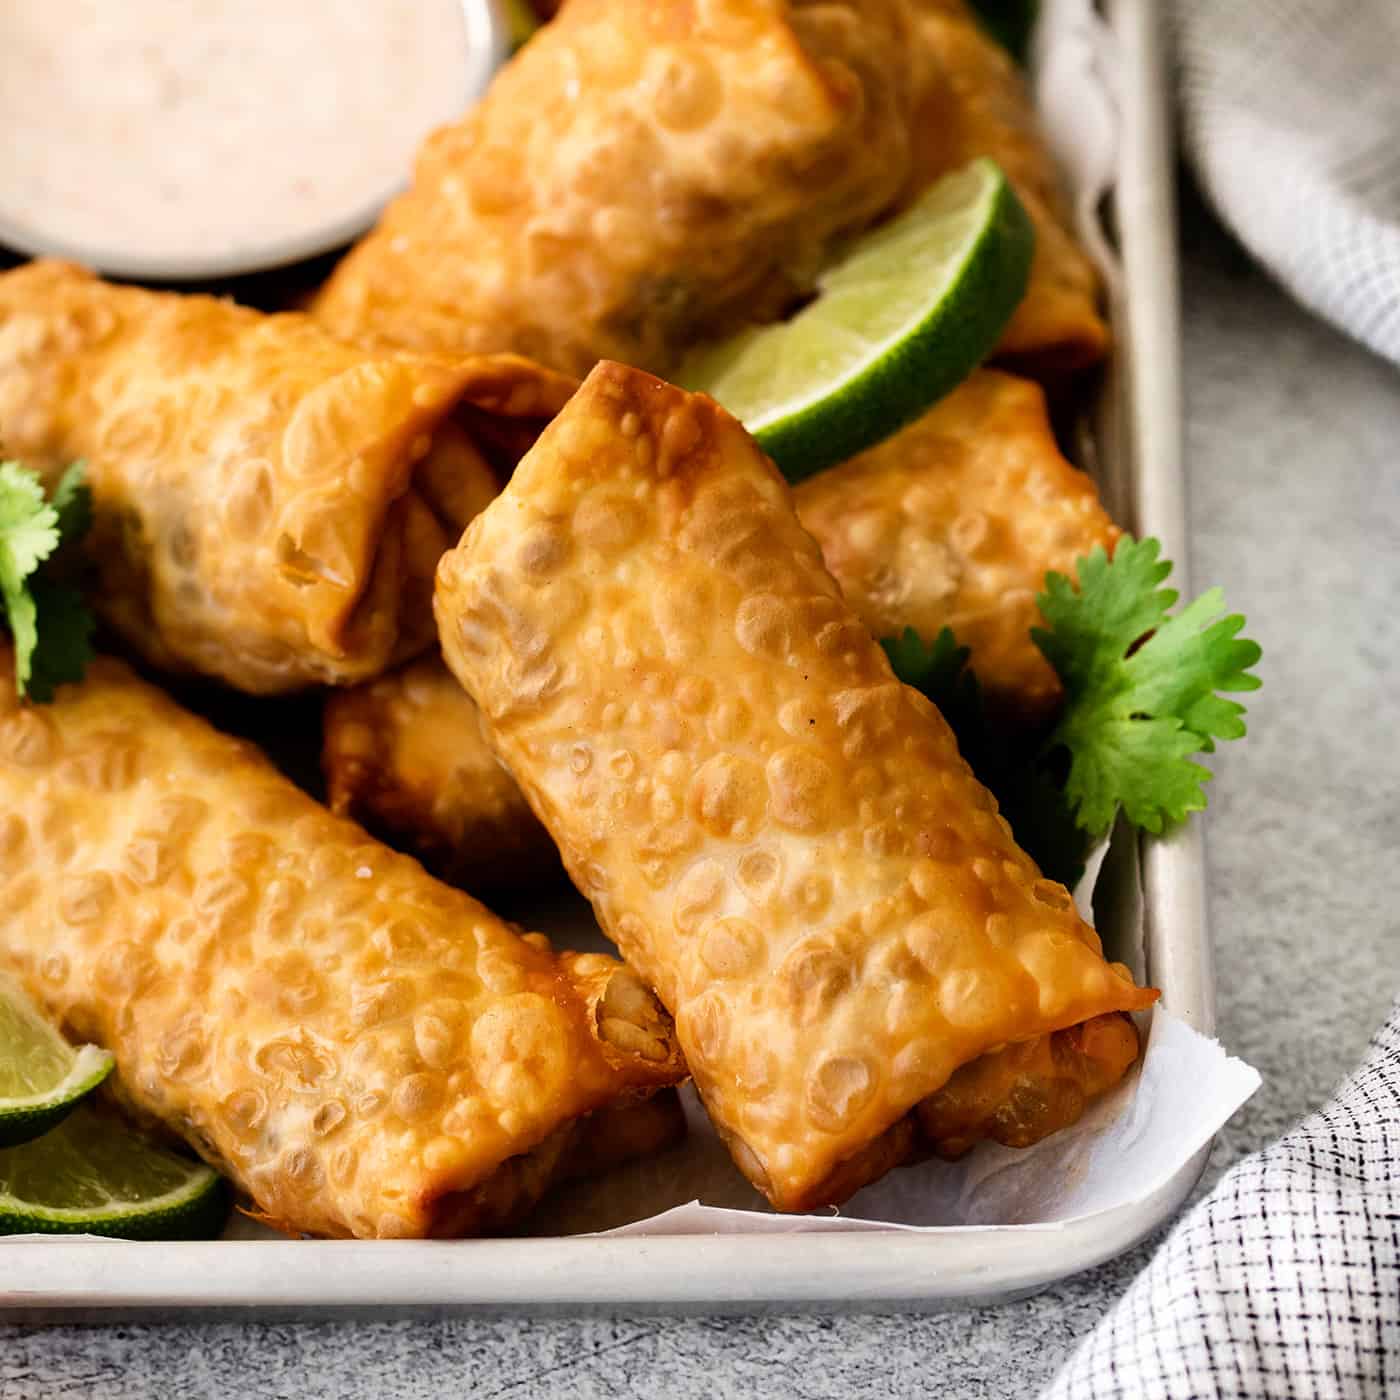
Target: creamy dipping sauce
180,130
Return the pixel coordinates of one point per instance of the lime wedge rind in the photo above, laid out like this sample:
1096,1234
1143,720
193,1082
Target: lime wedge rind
42,1076
93,1176
903,318
22,1119
197,1213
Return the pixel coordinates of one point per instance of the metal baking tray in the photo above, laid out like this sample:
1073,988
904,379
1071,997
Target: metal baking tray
1137,457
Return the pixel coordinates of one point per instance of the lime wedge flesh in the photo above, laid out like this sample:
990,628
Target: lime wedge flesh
41,1075
92,1175
910,310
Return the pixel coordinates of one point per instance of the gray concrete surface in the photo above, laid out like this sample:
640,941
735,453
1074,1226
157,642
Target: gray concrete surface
1294,445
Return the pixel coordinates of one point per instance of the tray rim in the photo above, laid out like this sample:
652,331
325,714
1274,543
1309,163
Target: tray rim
944,1268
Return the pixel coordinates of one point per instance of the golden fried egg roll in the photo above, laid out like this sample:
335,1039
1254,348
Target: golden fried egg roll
954,522
270,503
640,176
782,839
972,102
364,1051
407,756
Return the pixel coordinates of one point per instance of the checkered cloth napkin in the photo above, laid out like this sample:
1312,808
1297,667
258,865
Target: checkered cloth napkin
1285,1280
1291,118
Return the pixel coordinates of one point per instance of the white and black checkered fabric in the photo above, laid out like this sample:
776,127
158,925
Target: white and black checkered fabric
1291,115
1285,1280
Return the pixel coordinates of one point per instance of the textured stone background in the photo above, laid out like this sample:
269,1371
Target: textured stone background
1294,448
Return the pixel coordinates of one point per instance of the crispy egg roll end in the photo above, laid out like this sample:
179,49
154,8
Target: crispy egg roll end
588,1146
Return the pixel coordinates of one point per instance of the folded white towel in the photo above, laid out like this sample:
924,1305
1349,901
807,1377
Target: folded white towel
1291,119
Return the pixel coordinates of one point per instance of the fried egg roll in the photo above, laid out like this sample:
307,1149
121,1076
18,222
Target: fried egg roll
782,839
972,102
364,1051
270,503
954,522
639,177
407,756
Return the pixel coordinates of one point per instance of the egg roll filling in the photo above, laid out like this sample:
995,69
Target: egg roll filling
1025,1092
451,483
362,1050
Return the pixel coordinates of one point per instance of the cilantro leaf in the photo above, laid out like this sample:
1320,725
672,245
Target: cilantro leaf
23,618
28,523
1179,669
64,638
941,672
1141,764
1029,794
72,499
1142,696
28,535
1141,687
50,626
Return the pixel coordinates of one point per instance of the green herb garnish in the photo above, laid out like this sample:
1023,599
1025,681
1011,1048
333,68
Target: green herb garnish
1143,694
48,620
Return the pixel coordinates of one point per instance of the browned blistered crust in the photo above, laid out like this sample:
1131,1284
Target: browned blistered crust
361,1048
782,839
270,503
640,176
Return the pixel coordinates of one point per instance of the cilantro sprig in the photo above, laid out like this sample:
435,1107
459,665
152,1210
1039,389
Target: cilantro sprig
48,620
1144,693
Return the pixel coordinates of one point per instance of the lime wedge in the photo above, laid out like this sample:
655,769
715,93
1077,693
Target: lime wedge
41,1075
909,311
93,1176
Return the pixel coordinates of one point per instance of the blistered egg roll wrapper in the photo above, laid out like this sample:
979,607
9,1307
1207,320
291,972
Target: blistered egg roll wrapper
364,1051
954,522
407,756
972,101
638,177
270,503
780,837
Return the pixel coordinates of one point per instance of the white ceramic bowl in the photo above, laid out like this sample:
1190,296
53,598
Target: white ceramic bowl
487,47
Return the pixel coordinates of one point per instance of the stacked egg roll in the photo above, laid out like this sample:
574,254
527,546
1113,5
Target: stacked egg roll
364,1051
972,101
639,177
270,503
408,757
953,522
781,838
